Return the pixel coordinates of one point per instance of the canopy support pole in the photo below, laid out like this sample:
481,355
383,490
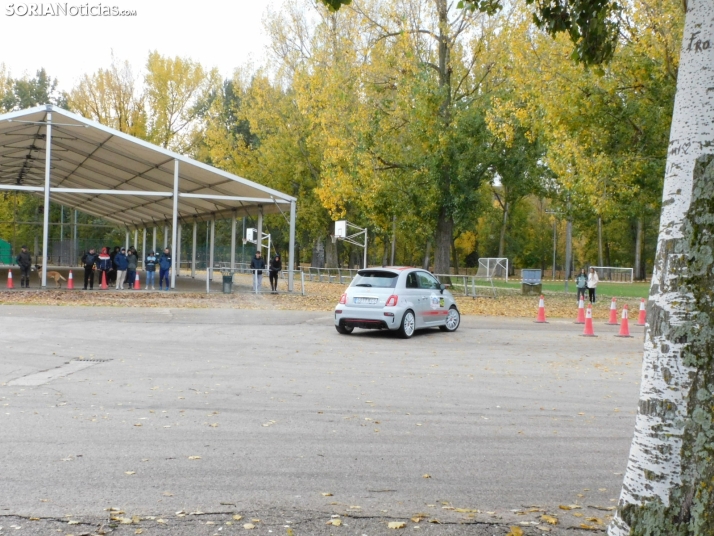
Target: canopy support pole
211,246
174,229
193,250
126,242
46,215
233,242
166,237
153,240
143,250
291,248
178,251
260,230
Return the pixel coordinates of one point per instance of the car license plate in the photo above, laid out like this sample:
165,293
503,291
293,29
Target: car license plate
365,301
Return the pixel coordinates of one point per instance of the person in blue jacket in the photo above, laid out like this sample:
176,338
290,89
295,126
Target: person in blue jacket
104,265
165,268
122,264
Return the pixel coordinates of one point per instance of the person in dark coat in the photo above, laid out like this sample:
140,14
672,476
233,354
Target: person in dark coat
276,266
257,264
89,261
165,268
120,261
112,275
24,261
132,260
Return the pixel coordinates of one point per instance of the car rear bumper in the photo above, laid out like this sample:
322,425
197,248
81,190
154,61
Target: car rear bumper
382,318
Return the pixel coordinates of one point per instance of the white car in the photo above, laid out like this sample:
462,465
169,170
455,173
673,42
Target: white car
398,299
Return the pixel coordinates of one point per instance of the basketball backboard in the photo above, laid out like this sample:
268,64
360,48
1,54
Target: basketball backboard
341,228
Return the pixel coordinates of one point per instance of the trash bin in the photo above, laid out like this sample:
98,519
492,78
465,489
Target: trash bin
227,284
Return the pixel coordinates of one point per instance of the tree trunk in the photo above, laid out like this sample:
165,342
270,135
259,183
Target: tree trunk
639,240
331,259
385,252
318,253
599,242
442,251
425,264
504,224
667,488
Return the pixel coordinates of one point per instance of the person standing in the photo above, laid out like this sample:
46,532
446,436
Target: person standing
24,261
276,266
581,282
257,264
131,262
592,284
89,260
121,263
165,269
112,275
105,266
150,269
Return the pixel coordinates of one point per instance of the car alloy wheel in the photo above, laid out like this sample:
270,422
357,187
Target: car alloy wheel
408,326
453,320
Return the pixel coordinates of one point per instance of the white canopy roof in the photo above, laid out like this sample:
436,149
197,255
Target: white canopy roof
126,180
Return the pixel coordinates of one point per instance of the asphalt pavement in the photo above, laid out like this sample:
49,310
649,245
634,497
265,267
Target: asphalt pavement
181,419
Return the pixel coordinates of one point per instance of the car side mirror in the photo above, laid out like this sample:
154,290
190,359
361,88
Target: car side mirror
442,287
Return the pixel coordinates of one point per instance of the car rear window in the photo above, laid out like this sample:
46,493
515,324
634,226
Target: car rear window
375,278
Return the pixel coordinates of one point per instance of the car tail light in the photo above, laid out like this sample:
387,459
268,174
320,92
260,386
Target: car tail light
392,301
343,299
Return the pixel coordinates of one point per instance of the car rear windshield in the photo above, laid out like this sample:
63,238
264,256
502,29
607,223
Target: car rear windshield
375,278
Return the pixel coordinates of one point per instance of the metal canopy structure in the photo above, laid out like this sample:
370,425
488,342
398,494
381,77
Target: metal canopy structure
82,164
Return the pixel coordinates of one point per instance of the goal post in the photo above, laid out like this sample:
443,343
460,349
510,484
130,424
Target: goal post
492,268
614,274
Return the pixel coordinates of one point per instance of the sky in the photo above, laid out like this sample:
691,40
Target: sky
217,33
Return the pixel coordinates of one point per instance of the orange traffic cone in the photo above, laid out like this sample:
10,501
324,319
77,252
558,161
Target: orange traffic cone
588,331
137,285
9,279
581,311
541,311
70,281
103,286
613,314
643,314
625,327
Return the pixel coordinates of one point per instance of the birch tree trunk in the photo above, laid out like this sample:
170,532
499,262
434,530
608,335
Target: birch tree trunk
639,241
668,488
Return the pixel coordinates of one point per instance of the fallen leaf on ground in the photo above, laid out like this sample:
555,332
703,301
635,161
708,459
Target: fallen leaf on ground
549,519
334,522
426,476
129,472
327,494
138,531
396,525
194,457
515,531
569,506
588,527
237,517
249,526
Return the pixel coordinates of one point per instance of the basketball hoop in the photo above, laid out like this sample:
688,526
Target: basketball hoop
333,238
244,241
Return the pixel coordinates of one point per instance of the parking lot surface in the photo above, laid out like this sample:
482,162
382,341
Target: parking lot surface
180,419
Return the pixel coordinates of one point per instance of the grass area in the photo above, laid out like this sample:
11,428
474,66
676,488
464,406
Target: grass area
617,290
604,289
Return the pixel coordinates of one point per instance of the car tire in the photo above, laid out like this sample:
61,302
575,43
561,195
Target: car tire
453,320
344,330
408,325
